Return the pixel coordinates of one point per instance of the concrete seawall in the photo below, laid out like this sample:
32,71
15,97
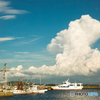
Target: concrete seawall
84,86
91,86
6,94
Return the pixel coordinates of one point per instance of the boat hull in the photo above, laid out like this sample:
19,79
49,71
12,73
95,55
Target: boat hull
34,92
20,92
23,93
40,91
72,88
67,89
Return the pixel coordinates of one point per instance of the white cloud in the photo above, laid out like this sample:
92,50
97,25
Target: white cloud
18,68
6,38
31,40
14,11
76,56
16,72
43,70
4,8
8,17
74,45
3,4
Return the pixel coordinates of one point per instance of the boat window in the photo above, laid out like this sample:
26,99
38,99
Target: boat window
63,86
71,84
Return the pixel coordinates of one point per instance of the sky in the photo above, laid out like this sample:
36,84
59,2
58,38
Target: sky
54,39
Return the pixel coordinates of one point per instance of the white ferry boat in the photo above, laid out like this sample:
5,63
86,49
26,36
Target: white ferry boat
68,86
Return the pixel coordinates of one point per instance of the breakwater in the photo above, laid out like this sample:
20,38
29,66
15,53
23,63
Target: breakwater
91,86
6,94
84,86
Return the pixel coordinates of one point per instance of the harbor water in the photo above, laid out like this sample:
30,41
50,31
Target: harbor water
57,95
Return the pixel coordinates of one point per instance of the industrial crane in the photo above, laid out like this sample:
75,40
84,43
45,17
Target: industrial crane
5,74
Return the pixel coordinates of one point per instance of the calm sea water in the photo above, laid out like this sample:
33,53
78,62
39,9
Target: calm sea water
55,95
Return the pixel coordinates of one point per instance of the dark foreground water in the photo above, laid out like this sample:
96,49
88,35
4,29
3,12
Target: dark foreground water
56,95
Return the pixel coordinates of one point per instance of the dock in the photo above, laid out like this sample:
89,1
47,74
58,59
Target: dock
84,87
91,86
6,94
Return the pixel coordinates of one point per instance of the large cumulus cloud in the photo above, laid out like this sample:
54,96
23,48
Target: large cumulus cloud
74,43
73,47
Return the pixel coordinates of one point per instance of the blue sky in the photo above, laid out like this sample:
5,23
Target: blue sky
28,26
